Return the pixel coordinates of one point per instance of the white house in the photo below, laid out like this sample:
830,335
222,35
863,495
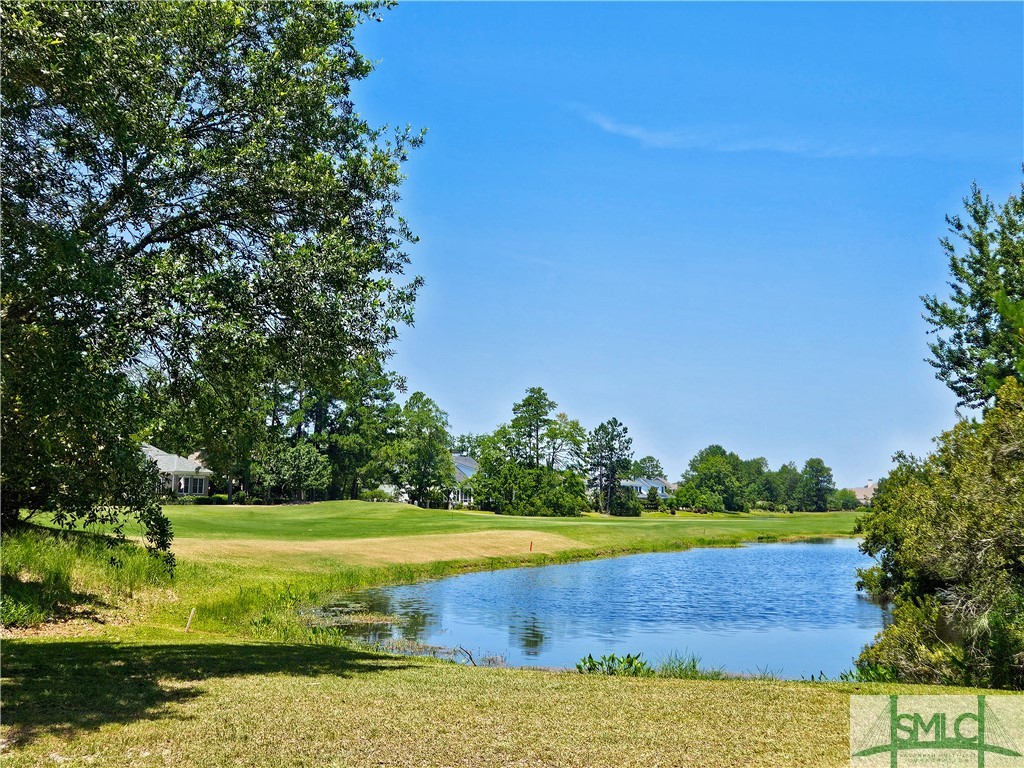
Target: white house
465,468
642,486
178,475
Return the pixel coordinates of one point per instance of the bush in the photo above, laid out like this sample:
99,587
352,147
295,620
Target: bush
948,532
184,500
376,495
241,497
626,666
709,501
625,504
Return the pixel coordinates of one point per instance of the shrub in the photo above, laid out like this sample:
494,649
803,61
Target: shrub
948,532
187,499
626,666
376,495
709,501
241,497
625,504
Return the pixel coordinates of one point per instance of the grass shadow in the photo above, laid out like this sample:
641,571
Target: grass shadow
64,687
42,600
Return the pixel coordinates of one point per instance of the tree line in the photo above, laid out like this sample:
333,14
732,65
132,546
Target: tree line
543,462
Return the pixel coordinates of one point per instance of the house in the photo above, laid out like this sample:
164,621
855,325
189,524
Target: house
865,493
179,475
465,468
642,486
460,494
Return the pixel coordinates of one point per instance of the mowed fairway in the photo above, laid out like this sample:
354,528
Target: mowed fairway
253,684
326,535
338,520
424,548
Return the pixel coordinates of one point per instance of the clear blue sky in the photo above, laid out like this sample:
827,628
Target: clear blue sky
711,221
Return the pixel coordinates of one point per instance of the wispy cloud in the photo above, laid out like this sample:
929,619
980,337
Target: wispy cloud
730,140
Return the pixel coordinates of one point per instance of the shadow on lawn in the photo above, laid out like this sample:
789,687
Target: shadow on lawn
62,687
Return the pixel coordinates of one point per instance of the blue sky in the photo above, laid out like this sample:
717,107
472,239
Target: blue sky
711,221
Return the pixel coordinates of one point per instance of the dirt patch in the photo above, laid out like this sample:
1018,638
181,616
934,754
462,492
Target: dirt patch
378,551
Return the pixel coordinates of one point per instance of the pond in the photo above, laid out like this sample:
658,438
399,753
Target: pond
787,609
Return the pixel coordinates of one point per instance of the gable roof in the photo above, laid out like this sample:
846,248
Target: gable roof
169,463
646,482
465,467
864,493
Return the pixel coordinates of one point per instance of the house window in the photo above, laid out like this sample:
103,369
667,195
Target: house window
198,484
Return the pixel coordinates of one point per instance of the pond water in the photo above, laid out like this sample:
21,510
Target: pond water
789,609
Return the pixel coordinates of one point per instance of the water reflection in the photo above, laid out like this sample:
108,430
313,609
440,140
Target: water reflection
788,608
529,636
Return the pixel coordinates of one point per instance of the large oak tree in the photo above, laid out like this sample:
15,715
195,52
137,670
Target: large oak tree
190,198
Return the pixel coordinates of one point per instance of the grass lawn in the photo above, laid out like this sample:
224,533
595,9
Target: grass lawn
361,519
251,685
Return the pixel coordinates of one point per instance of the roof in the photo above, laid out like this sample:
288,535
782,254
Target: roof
465,467
646,483
169,463
864,493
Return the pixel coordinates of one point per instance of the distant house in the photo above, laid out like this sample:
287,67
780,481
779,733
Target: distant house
865,493
179,475
642,486
465,468
459,495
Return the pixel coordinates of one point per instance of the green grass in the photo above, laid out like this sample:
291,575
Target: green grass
357,519
252,684
686,666
46,575
143,697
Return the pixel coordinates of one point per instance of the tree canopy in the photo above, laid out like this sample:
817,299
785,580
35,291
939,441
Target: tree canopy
192,202
948,529
610,452
648,466
423,453
978,342
533,465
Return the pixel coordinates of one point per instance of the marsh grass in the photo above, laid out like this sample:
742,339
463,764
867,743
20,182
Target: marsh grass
686,666
47,574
